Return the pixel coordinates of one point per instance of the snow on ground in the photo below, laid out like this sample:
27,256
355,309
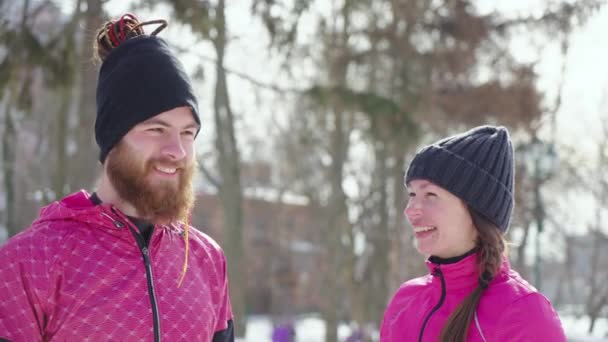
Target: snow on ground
576,329
310,328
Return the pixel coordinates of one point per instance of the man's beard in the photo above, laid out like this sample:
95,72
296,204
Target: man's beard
161,202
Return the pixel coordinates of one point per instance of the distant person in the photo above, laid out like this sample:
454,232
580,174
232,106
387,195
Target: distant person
356,334
122,263
460,201
284,332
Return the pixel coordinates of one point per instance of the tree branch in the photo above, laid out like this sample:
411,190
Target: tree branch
207,173
241,75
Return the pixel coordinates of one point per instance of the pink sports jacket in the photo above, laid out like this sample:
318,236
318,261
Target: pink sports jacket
510,309
82,272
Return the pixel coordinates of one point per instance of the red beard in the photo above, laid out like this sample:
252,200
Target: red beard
161,202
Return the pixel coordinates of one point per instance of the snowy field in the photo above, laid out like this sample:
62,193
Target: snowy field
576,329
310,328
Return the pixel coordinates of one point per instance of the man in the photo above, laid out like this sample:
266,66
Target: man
121,263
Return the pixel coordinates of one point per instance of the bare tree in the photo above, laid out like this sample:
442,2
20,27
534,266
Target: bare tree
208,21
395,88
597,297
40,63
85,158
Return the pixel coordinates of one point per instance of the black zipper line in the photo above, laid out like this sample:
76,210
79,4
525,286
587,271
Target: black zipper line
146,255
437,272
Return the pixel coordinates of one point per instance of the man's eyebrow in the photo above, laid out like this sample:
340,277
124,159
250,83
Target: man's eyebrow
193,125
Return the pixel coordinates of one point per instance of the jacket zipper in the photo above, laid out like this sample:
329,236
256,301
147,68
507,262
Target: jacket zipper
436,272
156,317
146,255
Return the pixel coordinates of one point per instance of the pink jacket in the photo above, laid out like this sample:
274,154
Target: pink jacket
509,310
78,274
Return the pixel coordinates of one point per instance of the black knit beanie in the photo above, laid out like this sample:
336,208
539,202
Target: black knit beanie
476,166
138,80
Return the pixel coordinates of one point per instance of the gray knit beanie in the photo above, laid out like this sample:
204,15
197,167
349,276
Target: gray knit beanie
476,166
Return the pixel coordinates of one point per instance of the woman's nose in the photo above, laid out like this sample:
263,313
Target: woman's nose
413,209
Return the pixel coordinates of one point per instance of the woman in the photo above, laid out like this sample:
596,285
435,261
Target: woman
460,202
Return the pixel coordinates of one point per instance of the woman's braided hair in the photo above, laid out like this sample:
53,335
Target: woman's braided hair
491,247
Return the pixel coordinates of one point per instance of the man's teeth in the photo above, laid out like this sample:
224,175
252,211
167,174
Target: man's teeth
166,169
422,229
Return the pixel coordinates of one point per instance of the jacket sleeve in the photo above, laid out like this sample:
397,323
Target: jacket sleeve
23,288
387,320
224,331
530,318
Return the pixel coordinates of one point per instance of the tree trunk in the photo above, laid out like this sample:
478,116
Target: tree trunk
230,191
66,91
9,144
9,138
595,299
592,319
396,229
520,262
380,233
595,312
337,224
337,211
60,177
335,214
86,165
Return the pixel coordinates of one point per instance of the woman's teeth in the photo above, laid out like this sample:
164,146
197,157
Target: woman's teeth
423,229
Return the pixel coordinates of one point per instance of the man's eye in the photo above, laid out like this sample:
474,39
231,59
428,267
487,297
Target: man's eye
411,194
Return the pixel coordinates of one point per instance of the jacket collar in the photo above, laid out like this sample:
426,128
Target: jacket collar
79,207
461,272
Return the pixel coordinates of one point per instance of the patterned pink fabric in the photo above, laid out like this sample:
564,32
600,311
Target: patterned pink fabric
75,276
509,310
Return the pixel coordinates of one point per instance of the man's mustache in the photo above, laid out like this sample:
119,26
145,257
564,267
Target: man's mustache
166,162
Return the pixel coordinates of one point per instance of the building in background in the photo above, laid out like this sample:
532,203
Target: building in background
284,261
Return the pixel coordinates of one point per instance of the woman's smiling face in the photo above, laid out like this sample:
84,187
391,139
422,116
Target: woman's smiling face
442,224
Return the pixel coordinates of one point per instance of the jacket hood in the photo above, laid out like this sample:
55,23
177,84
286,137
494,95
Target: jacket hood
78,207
75,207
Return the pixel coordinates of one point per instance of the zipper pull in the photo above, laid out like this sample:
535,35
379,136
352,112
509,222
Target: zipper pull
146,252
115,222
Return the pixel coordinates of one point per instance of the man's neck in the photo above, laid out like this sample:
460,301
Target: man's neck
107,194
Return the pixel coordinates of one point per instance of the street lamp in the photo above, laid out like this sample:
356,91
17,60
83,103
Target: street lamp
541,161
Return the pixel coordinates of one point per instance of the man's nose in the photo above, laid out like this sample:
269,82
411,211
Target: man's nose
174,148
